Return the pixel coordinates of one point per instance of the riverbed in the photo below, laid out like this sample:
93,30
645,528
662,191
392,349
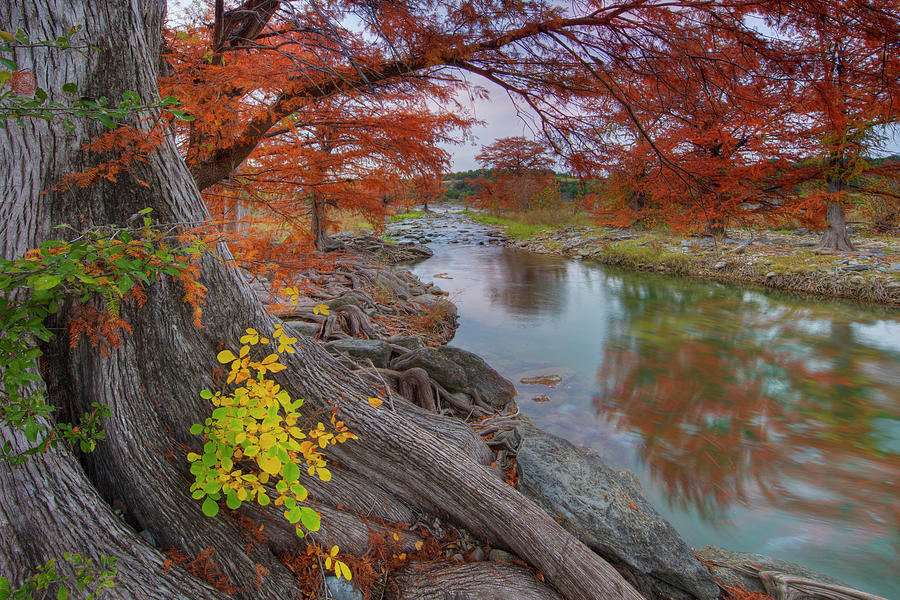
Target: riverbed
757,421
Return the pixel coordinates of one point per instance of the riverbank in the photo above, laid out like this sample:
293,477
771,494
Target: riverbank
563,479
778,260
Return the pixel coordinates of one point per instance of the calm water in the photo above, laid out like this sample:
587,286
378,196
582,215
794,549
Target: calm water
756,421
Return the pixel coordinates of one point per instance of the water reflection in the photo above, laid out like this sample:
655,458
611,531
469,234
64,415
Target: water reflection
525,283
739,399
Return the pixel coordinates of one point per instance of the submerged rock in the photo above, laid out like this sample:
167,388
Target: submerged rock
609,513
458,369
548,380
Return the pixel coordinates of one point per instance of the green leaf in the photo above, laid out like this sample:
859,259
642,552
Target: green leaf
70,88
310,518
107,122
290,472
181,115
210,507
9,64
293,515
46,282
62,593
231,500
196,429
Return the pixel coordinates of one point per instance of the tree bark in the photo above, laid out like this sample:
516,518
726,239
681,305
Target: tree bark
151,382
317,221
835,236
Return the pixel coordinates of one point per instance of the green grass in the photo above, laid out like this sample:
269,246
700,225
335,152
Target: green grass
629,253
413,214
514,229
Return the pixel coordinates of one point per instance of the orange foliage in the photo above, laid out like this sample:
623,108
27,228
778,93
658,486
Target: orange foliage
117,151
521,177
99,327
202,567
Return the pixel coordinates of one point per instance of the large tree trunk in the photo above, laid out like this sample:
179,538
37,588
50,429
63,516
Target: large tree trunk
835,236
317,221
151,382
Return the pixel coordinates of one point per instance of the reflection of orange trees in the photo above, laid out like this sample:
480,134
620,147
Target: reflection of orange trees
731,411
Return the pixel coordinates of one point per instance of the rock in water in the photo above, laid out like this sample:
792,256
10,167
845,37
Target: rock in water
609,513
458,369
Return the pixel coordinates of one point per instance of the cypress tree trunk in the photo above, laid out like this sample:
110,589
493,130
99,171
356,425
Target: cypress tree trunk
151,382
835,235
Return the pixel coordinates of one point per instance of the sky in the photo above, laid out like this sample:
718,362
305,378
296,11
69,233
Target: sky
501,119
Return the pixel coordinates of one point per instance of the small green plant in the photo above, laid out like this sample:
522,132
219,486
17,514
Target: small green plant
253,439
91,580
20,97
111,263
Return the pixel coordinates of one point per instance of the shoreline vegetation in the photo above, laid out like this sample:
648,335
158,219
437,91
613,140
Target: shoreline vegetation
783,260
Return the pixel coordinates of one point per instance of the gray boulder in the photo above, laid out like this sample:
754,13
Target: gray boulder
303,328
608,512
378,351
341,589
410,342
456,370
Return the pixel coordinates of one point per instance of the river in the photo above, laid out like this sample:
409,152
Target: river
756,421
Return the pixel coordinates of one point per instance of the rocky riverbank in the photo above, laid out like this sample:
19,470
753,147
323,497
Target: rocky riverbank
789,262
390,328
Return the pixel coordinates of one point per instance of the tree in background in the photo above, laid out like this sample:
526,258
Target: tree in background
520,178
846,59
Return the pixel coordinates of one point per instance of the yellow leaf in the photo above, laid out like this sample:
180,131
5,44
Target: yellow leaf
226,356
334,551
270,359
343,570
276,367
419,545
269,464
320,309
266,441
328,562
244,351
396,537
375,402
324,474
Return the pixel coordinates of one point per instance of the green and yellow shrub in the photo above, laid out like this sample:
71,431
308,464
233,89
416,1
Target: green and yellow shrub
253,438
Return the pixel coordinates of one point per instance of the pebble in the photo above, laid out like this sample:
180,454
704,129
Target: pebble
771,274
477,554
720,265
501,555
